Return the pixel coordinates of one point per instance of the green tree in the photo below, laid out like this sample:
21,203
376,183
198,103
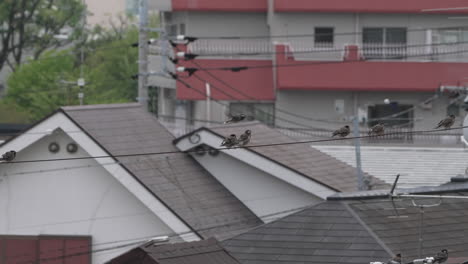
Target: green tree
30,27
42,86
11,113
37,87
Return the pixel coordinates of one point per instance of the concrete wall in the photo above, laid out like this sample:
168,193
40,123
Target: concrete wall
215,24
262,193
304,23
321,105
74,201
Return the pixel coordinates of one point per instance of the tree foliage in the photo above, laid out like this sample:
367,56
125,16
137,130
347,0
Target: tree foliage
42,86
30,27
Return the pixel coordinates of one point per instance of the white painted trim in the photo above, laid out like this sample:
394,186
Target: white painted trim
61,121
253,159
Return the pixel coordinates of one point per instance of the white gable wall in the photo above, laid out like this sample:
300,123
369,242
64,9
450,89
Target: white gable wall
264,195
74,201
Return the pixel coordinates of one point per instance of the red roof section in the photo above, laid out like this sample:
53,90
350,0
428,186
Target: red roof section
367,75
45,249
369,6
220,5
253,84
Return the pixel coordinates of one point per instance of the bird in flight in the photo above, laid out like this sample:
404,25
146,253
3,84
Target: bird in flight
342,132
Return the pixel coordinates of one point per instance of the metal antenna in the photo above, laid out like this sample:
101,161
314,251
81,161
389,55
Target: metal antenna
392,196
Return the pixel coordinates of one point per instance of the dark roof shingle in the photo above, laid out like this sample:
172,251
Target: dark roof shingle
325,233
358,232
176,179
201,252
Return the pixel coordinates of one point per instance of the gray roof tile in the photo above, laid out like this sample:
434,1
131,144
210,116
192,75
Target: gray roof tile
325,233
180,182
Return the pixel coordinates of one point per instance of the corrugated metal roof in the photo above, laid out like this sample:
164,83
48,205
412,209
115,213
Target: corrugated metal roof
179,181
302,158
418,166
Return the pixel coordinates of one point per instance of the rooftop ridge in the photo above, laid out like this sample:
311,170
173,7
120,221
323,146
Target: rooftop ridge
99,106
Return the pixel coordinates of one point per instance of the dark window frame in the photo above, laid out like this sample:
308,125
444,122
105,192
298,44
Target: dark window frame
324,39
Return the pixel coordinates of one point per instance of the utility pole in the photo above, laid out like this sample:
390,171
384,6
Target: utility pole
81,80
357,147
143,55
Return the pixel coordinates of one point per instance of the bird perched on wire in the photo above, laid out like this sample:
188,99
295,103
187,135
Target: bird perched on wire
244,139
446,122
441,257
377,130
230,141
395,260
342,132
9,156
234,118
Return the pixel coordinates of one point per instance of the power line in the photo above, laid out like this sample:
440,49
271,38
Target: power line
253,98
250,146
364,48
148,238
245,67
305,35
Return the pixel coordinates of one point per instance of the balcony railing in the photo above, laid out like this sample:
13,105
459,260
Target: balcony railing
230,47
403,51
307,49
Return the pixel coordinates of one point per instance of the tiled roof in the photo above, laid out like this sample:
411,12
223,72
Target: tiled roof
325,233
418,166
444,226
201,252
300,157
358,232
177,180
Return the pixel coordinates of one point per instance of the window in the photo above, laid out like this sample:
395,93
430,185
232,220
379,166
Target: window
263,112
182,29
387,43
404,117
323,37
449,35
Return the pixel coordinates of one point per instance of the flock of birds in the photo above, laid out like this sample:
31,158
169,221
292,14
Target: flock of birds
232,140
439,258
379,129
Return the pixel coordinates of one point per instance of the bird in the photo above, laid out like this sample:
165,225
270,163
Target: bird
395,260
244,139
378,130
9,156
234,118
441,257
446,122
230,141
342,132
